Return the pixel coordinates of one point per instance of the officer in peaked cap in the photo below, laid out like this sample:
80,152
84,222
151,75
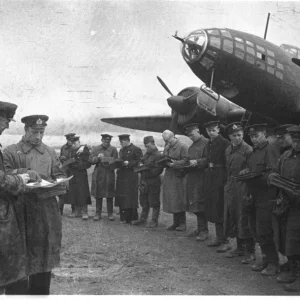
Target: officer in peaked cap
11,261
211,124
289,167
127,180
235,220
40,161
64,154
283,137
103,178
263,159
195,181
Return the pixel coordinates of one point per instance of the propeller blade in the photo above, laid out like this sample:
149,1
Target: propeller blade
164,85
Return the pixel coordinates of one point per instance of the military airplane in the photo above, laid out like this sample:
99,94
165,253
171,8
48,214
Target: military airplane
245,78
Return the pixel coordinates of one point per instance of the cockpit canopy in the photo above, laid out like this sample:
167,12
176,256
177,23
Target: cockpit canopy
292,50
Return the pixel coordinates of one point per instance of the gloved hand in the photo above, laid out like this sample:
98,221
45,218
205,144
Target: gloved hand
245,171
25,177
34,175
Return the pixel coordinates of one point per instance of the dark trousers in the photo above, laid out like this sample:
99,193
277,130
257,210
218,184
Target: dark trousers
61,204
128,215
179,218
220,233
35,284
202,224
109,204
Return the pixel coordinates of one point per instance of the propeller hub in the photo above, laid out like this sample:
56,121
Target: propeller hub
178,104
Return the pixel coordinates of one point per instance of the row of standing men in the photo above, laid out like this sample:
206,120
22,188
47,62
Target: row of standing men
202,179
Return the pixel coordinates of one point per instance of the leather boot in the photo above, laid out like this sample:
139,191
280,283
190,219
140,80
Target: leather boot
259,266
143,218
176,222
293,287
99,202
239,251
110,209
182,221
155,215
195,232
271,269
291,276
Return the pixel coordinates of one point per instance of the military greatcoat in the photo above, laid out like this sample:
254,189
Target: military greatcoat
127,180
174,185
289,167
215,178
195,176
37,210
103,179
236,224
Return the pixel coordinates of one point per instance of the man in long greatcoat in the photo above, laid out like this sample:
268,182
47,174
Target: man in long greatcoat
289,168
64,154
150,184
127,180
236,222
263,159
79,191
215,178
195,181
103,178
12,248
174,181
37,210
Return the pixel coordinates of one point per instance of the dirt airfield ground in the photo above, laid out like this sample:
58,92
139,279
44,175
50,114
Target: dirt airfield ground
110,258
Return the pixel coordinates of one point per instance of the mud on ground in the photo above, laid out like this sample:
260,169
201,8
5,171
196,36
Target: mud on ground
110,258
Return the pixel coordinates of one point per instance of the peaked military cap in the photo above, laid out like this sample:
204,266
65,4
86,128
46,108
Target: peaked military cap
69,135
148,139
8,110
211,124
189,127
254,128
294,131
124,136
106,135
282,129
74,138
234,127
35,120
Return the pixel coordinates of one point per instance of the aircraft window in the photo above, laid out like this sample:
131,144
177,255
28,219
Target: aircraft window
260,56
250,59
279,66
271,53
260,48
250,50
206,63
213,31
249,43
270,70
228,46
271,61
260,65
240,45
215,42
239,40
226,33
239,54
279,75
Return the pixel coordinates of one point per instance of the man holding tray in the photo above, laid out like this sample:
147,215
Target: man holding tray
37,209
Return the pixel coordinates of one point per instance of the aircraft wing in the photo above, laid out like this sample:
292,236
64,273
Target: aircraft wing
155,123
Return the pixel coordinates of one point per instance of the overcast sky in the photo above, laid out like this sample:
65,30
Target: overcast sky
77,61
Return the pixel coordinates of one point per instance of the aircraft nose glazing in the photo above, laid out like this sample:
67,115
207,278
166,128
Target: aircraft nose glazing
194,45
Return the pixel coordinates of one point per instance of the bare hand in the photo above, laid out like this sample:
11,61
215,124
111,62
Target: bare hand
34,175
193,163
100,155
245,171
170,164
126,163
25,177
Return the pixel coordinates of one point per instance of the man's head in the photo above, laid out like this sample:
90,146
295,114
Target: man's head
295,135
212,129
257,133
7,112
168,137
106,139
75,141
192,131
235,132
68,137
149,144
35,126
124,140
283,137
